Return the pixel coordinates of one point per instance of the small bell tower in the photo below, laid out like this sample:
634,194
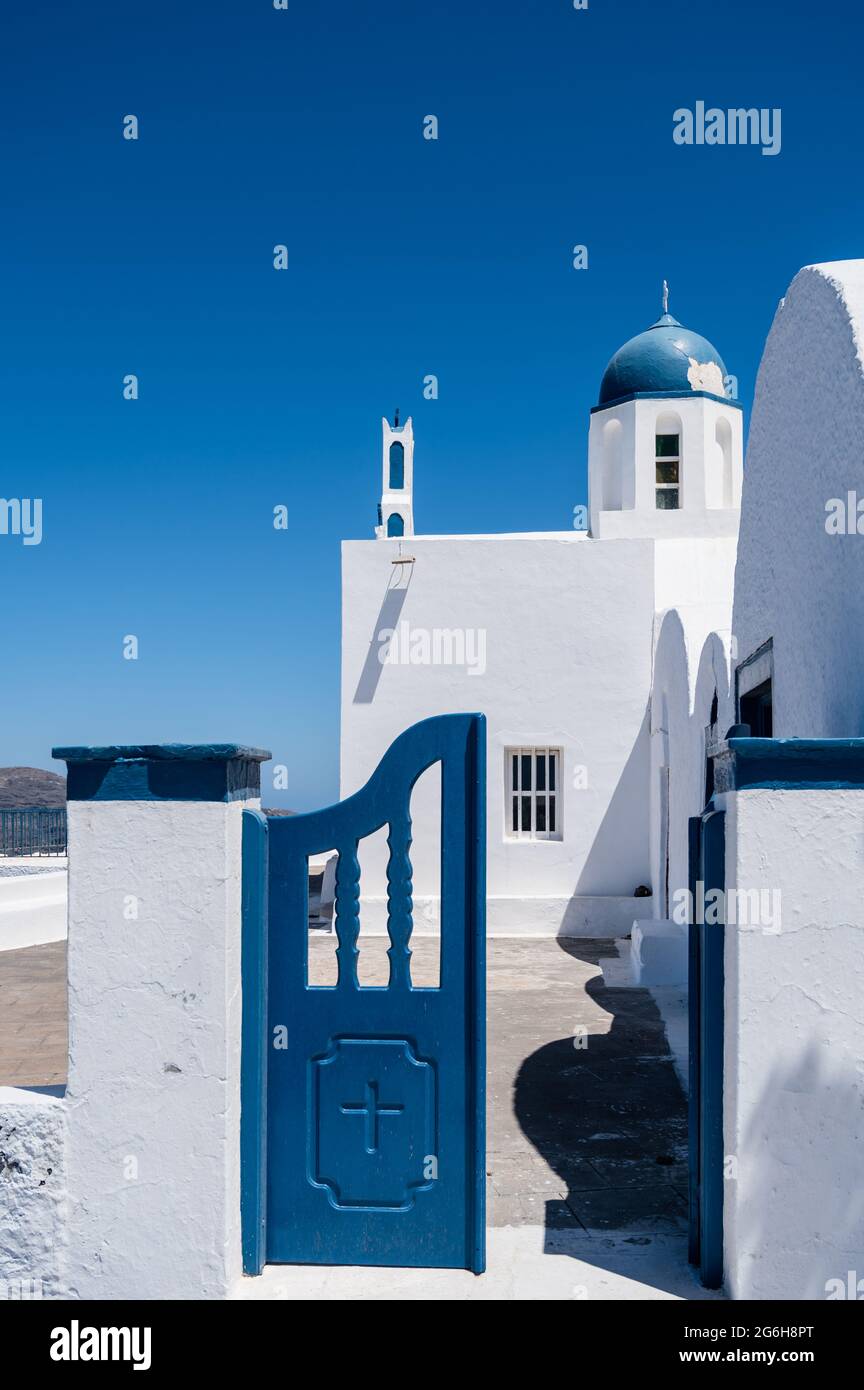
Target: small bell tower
396,508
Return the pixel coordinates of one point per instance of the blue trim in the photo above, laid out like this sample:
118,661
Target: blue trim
253,1064
475,932
665,396
694,1065
712,939
791,764
163,772
706,989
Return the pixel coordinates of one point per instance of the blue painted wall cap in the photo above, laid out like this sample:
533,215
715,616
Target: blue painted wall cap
163,772
791,764
162,752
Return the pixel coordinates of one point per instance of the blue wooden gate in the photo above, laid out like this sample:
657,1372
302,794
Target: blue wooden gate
363,1126
705,996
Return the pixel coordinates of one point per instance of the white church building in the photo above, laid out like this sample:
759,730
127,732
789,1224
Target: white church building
554,636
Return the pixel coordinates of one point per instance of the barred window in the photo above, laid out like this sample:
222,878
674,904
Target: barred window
533,808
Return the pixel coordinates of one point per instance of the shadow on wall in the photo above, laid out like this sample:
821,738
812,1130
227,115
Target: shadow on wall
388,618
610,1118
799,1231
672,736
680,734
622,835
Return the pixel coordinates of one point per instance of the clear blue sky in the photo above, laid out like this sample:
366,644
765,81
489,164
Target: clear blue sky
407,257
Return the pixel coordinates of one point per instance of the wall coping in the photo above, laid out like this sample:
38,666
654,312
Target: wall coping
789,764
163,771
186,752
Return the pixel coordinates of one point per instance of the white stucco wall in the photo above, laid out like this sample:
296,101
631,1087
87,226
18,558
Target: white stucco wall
567,631
33,1205
694,583
154,1040
568,626
795,583
794,1088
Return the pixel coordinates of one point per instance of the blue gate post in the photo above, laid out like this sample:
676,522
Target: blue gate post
694,1065
253,1070
706,985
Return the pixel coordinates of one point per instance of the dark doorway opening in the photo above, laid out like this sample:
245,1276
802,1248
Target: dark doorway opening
756,710
710,740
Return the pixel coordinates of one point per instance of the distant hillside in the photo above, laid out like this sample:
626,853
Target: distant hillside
31,786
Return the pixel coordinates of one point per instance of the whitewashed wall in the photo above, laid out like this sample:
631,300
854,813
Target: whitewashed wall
154,1048
690,667
569,626
794,1086
33,1195
128,1186
568,634
794,1016
795,583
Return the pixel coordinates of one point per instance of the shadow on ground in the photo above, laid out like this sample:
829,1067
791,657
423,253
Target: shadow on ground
603,1109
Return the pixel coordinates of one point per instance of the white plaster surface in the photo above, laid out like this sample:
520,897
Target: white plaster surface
572,631
525,1263
568,637
601,916
796,583
33,1208
154,1040
794,1016
658,953
794,1079
689,668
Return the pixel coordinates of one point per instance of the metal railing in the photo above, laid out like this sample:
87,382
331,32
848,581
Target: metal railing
37,830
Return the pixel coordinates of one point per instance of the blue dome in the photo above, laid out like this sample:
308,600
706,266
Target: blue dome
666,357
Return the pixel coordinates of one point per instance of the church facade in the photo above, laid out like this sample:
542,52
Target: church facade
553,636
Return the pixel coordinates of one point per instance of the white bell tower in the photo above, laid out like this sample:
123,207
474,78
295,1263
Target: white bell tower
665,449
396,508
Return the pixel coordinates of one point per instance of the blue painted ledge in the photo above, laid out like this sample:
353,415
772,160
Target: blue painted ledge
163,772
790,764
664,396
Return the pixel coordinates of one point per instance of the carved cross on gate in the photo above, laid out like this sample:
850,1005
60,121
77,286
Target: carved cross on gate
371,1112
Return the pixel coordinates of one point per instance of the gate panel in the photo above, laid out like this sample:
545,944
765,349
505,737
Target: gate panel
375,1136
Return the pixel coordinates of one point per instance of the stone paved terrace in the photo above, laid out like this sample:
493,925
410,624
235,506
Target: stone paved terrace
581,1137
33,1016
587,1120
